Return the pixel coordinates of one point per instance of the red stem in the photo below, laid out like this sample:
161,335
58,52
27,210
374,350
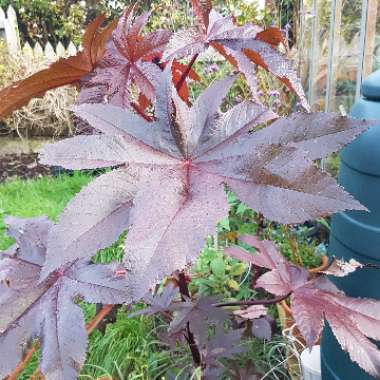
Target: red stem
186,73
91,326
253,302
20,366
184,290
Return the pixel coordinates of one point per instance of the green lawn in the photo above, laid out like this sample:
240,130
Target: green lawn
44,196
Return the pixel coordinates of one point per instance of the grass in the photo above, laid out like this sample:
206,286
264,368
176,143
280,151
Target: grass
44,196
129,350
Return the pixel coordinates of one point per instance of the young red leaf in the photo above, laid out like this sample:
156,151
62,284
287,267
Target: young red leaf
180,74
352,320
272,35
125,63
202,9
143,102
63,72
181,163
48,310
178,70
198,314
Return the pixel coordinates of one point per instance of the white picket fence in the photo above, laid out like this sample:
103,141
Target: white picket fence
10,32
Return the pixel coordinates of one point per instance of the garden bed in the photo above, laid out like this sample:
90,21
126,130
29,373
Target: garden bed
23,165
130,345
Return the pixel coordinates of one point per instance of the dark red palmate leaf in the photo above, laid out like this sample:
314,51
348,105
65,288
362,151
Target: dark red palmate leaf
240,45
63,72
222,345
198,313
314,301
176,169
160,302
48,311
202,9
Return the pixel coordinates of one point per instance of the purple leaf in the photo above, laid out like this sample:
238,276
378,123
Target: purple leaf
185,43
262,328
222,345
279,181
123,121
268,258
202,9
198,314
319,134
47,310
160,302
269,58
194,120
243,46
354,321
178,167
31,235
100,151
166,215
93,220
156,135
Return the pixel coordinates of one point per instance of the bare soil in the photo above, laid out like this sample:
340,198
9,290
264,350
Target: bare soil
21,165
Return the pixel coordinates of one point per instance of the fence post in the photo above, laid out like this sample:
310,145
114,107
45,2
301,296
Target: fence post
71,49
60,50
27,50
2,26
49,52
11,30
38,51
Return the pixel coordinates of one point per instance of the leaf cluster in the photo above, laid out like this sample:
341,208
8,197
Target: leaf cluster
171,162
316,300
